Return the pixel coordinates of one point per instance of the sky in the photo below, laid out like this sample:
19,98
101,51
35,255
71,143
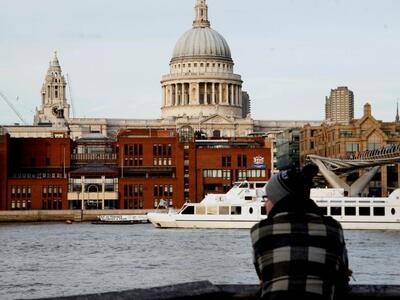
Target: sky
290,53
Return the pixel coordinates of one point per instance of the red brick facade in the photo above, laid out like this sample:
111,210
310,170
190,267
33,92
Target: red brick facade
4,145
141,169
37,169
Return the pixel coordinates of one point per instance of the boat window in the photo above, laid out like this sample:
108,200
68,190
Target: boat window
251,210
324,210
200,210
251,185
379,211
224,210
248,198
189,210
336,211
393,211
244,185
260,185
212,210
236,210
364,211
263,211
349,211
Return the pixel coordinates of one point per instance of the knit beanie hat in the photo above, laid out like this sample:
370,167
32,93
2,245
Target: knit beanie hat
291,182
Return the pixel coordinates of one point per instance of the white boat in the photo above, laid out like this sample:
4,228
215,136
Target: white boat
360,212
243,206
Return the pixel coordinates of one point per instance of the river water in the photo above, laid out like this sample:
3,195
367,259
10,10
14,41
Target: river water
44,260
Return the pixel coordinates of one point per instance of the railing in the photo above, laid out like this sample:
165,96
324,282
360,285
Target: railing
93,157
205,74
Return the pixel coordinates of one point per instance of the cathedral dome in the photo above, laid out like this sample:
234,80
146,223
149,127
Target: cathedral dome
203,42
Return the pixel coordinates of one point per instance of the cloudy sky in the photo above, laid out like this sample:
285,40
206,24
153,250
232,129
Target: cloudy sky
290,53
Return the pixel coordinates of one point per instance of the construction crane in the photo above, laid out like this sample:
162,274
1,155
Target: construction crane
70,95
13,108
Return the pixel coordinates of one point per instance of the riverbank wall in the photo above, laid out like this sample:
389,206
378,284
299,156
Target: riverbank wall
207,290
65,215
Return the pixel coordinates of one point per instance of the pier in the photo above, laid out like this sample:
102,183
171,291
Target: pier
206,290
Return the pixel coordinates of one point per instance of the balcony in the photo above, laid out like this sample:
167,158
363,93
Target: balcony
92,196
84,158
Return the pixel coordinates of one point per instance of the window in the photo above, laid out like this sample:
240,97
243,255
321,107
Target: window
236,210
226,161
188,210
379,211
200,210
263,211
224,210
349,211
242,161
324,210
212,210
364,211
336,211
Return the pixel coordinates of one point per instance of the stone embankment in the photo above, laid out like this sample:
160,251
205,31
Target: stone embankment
206,290
64,215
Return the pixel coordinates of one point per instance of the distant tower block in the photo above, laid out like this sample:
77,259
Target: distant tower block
339,106
53,93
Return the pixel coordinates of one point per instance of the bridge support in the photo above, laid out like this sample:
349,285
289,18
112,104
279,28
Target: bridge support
335,181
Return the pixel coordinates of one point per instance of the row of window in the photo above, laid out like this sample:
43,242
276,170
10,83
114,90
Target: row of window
352,211
224,174
163,190
241,161
51,203
162,150
162,161
212,210
163,203
189,65
133,190
37,175
244,174
21,204
21,191
52,191
136,203
133,161
133,149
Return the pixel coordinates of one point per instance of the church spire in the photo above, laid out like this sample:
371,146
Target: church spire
397,113
201,19
55,62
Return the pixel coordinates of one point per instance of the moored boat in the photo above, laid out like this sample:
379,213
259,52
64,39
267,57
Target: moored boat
360,212
243,206
122,219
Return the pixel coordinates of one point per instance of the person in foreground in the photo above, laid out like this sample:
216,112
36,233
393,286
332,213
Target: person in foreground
298,252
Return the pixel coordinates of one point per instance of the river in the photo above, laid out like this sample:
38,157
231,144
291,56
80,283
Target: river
44,260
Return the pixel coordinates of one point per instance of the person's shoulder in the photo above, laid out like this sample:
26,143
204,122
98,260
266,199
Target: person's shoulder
331,221
260,224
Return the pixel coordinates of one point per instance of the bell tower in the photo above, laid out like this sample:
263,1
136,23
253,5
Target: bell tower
54,105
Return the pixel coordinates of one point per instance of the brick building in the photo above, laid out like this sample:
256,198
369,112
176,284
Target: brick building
349,140
4,147
139,169
37,173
